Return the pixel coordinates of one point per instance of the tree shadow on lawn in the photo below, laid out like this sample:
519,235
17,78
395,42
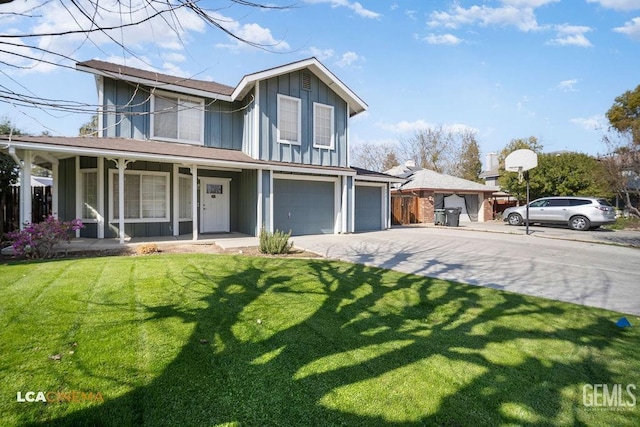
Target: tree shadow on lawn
344,344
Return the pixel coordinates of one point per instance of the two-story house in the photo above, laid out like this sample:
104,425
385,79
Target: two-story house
181,156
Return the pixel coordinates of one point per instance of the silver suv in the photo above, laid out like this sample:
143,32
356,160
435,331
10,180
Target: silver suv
579,213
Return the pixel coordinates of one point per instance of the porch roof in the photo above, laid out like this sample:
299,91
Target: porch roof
156,151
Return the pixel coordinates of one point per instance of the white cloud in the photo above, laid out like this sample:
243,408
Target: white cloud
411,14
254,34
516,13
596,122
417,125
321,54
348,59
571,35
567,85
618,4
449,39
355,6
631,29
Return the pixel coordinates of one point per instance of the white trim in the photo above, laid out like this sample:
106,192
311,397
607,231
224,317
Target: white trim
332,142
175,223
306,177
259,204
388,224
194,201
344,204
337,220
255,143
100,124
298,102
112,219
383,199
347,135
178,98
100,207
363,179
370,184
271,226
78,210
55,183
352,216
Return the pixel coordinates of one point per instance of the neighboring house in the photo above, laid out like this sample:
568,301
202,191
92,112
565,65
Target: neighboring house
490,174
425,190
181,156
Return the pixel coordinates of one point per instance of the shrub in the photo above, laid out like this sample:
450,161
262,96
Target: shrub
147,248
275,243
40,240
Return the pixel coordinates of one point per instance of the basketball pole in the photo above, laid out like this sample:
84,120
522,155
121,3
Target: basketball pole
526,176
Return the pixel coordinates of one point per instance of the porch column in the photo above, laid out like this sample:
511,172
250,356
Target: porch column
194,200
271,199
259,215
54,189
25,190
122,165
345,207
100,207
175,223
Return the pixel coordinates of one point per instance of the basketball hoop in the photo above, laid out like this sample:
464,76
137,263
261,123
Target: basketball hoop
521,161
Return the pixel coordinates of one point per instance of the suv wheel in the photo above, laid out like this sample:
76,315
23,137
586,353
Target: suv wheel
579,223
514,219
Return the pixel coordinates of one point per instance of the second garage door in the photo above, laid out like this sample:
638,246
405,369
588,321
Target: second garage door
304,207
368,208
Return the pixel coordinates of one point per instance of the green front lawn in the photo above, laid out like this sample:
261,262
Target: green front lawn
222,340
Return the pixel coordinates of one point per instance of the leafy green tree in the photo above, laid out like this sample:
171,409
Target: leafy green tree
560,174
469,165
624,114
90,128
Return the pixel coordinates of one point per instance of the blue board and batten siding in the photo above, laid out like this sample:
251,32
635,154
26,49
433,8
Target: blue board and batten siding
223,121
305,153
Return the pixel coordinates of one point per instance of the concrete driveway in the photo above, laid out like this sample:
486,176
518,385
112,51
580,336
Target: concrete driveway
581,272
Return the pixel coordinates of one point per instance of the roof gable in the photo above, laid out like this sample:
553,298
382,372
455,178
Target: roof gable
356,105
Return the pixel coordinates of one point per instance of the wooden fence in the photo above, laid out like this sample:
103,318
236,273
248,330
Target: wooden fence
10,206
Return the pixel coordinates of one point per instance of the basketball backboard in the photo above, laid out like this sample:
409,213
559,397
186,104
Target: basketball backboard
521,160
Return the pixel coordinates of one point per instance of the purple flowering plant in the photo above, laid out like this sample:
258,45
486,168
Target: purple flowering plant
40,240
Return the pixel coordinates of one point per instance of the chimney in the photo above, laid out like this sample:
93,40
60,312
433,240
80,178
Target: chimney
491,162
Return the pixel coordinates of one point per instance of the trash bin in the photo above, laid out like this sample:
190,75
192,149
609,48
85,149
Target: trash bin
439,217
453,217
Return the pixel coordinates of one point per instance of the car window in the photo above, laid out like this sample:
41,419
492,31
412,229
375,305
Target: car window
539,203
559,202
603,202
580,202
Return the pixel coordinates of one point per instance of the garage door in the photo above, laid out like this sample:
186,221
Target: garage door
304,207
368,208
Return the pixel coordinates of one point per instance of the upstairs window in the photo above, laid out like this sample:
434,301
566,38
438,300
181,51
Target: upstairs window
323,126
177,118
289,112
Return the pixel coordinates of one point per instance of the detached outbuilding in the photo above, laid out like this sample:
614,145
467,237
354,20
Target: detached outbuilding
424,191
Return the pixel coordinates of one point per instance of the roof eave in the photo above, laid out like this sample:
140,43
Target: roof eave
155,84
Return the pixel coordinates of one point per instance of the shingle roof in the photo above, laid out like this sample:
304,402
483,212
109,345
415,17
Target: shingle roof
431,180
162,79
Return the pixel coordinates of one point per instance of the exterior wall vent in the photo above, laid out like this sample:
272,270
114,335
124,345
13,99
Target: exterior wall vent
306,81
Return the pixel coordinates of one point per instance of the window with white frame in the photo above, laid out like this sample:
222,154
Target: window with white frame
177,118
289,126
185,197
89,195
146,196
323,126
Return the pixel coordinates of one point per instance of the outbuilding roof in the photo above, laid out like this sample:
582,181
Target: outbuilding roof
426,179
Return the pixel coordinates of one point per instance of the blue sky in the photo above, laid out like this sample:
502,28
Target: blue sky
504,68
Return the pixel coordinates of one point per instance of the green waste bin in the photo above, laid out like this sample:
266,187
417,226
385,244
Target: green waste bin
439,217
453,217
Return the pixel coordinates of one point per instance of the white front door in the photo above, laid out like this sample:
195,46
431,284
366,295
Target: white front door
214,205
